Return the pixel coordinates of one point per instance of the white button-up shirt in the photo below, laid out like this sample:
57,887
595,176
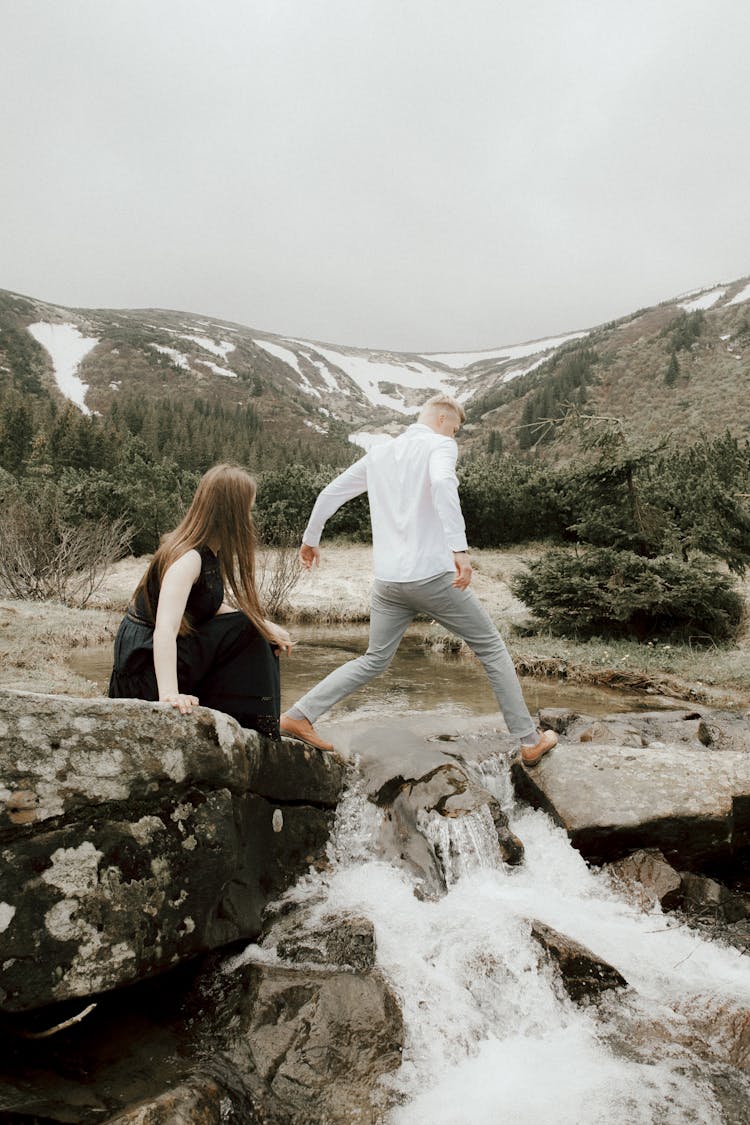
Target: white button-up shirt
416,515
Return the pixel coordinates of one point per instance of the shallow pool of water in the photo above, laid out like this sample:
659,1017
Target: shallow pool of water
418,679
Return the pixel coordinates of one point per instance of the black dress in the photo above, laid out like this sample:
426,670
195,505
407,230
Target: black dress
224,661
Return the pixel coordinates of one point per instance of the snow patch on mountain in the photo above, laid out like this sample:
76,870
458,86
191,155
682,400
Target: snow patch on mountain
291,360
67,348
222,350
286,356
516,372
368,373
367,441
460,360
383,378
326,375
703,300
743,295
178,358
225,371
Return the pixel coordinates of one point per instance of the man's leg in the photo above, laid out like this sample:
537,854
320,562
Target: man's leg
462,613
389,618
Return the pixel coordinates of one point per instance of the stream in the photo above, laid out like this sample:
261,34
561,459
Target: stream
490,1034
417,680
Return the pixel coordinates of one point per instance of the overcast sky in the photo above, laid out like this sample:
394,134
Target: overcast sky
407,174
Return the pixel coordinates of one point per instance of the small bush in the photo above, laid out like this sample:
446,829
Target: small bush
277,573
615,593
43,556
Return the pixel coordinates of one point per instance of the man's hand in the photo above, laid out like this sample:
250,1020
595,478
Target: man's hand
309,556
463,570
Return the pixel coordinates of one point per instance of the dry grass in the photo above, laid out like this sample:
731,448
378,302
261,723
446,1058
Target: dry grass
36,639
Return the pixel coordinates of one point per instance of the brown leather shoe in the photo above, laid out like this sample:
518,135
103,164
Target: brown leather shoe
303,731
530,755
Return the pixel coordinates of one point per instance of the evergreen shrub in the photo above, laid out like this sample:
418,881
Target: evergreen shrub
506,501
603,591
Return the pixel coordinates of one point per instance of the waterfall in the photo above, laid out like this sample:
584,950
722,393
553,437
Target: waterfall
463,844
491,1036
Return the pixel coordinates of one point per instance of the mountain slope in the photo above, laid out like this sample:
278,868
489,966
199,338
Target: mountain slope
312,395
681,367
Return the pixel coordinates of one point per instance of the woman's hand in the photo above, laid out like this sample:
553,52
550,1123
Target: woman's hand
279,639
184,703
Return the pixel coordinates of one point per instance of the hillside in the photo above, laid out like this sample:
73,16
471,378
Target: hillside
682,366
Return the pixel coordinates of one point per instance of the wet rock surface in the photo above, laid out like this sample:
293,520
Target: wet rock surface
426,774
199,1101
312,1046
646,781
310,936
648,880
305,1021
583,974
299,1030
707,898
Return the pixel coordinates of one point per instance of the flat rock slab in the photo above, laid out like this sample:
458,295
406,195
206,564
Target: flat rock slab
426,772
692,728
611,800
411,746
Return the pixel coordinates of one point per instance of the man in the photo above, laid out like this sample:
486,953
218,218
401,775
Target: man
421,565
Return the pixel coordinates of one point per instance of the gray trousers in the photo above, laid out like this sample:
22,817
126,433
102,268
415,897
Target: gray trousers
394,606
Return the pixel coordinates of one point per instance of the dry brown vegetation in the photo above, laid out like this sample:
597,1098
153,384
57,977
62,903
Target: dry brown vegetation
709,396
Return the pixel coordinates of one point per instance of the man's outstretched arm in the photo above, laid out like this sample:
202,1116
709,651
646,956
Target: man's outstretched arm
352,482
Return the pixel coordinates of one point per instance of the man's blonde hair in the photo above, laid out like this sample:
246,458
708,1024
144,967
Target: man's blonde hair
444,402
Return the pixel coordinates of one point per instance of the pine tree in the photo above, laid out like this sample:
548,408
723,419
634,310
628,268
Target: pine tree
525,438
495,442
16,435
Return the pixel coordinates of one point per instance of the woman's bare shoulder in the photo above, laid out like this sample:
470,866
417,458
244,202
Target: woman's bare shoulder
187,565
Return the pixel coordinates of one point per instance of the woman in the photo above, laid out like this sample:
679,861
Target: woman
180,641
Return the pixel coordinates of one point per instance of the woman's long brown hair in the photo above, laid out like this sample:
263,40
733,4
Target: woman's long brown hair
219,514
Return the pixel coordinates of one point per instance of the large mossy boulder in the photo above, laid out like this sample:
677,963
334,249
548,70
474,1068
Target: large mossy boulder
132,838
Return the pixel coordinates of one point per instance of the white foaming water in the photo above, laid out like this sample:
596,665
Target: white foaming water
490,1035
463,844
